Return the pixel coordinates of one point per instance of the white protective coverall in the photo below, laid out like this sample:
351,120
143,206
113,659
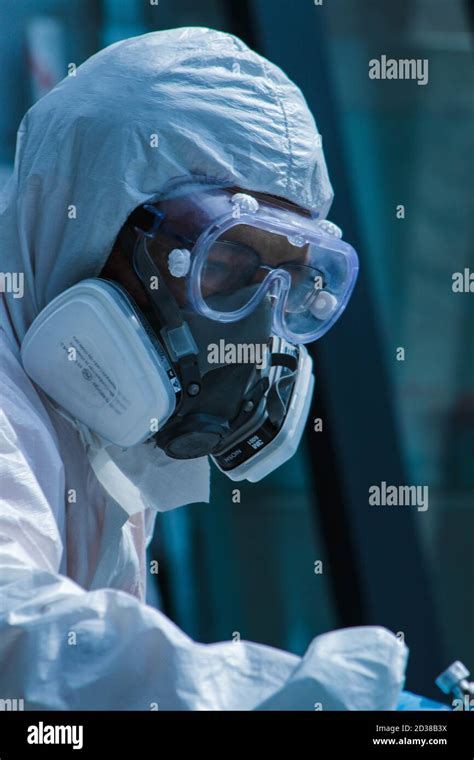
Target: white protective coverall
137,121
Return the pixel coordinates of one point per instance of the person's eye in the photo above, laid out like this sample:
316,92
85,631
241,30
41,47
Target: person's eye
229,266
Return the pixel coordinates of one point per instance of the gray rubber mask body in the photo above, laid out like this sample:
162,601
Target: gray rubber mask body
224,383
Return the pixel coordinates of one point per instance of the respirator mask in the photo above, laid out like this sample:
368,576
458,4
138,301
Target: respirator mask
215,364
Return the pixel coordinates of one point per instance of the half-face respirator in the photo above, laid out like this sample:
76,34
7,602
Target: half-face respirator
207,368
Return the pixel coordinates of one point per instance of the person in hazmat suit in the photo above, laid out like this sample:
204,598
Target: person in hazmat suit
167,208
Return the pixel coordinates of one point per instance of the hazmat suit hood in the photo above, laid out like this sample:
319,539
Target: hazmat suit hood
146,118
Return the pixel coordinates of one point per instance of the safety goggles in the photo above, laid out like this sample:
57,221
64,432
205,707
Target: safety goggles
221,252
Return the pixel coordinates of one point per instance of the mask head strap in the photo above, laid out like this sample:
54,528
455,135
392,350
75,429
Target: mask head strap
144,223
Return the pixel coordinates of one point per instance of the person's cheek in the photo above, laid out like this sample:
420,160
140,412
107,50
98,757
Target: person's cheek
136,290
177,288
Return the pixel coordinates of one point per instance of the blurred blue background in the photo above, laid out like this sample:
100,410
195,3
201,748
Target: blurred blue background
249,567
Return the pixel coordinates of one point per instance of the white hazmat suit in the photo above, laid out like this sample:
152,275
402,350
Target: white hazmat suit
139,120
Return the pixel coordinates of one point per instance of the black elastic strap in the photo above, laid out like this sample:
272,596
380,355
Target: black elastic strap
284,360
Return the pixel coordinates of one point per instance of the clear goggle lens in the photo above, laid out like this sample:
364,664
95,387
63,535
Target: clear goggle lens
245,260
